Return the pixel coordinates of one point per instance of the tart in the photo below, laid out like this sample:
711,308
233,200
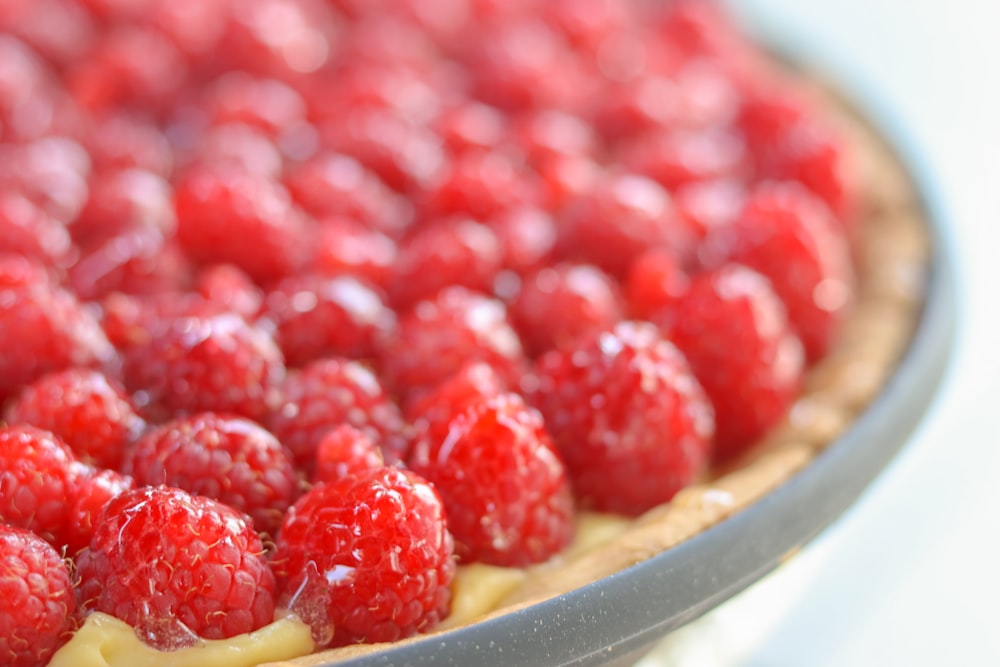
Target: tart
338,324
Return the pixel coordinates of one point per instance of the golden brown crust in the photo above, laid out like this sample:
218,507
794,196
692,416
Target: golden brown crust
893,253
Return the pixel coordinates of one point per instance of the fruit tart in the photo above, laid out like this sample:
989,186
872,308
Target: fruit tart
328,324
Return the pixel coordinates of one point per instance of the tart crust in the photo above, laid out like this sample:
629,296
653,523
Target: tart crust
892,258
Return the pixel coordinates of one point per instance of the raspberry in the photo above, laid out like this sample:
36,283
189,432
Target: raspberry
548,134
471,125
317,316
36,599
733,330
453,252
37,476
87,411
176,567
654,284
131,321
19,271
527,238
367,558
474,383
675,158
480,185
330,392
336,185
50,330
231,288
502,481
436,338
563,302
264,103
215,363
345,451
27,230
345,247
95,489
239,148
612,223
632,423
230,459
122,200
788,235
226,215
124,140
138,262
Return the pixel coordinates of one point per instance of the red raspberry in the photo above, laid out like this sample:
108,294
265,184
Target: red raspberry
346,247
548,134
527,238
27,230
122,200
130,321
50,330
51,172
82,407
19,271
231,288
96,488
123,140
36,599
733,330
176,567
38,476
471,125
632,423
475,383
317,316
330,392
788,235
502,481
367,558
405,156
268,104
622,216
654,284
436,338
230,459
453,252
205,364
226,215
345,451
240,148
674,158
562,303
138,262
708,206
480,185
336,185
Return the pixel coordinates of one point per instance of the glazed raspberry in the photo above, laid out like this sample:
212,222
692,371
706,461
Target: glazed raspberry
503,483
475,383
788,235
654,284
452,252
231,288
141,261
230,459
707,206
733,330
471,125
214,363
563,302
240,148
267,104
337,185
317,316
38,476
124,140
527,238
622,216
225,215
367,558
122,200
19,271
51,172
36,599
176,567
130,320
28,231
436,338
345,451
50,330
346,247
479,184
87,411
330,392
631,422
674,158
95,489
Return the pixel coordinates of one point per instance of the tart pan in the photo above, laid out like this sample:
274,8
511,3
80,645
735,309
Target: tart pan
616,619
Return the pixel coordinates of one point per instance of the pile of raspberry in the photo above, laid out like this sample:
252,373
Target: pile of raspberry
304,302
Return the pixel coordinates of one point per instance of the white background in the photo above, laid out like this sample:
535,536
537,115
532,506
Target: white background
911,575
